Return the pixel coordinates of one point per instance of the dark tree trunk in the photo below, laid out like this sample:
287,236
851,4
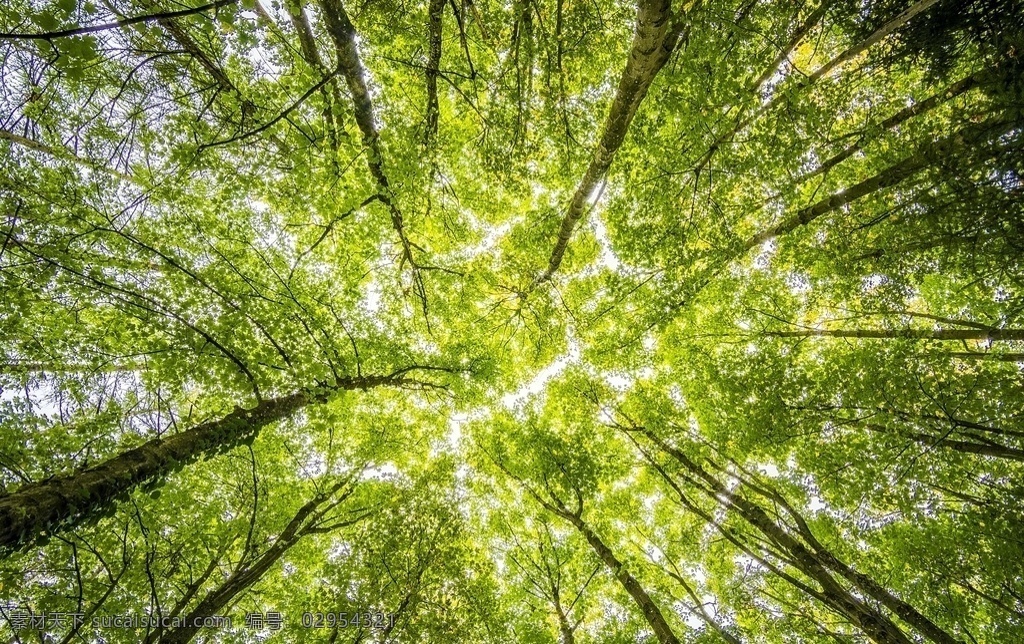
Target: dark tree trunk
434,24
343,33
37,510
809,80
956,89
647,606
963,144
247,575
993,335
980,445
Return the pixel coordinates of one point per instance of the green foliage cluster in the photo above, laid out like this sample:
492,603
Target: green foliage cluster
528,321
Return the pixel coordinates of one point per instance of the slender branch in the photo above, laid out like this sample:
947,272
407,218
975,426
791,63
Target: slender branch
52,35
241,137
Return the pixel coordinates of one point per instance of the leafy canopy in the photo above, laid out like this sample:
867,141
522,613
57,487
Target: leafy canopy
527,321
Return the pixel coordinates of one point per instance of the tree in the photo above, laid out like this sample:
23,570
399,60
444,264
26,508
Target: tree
539,321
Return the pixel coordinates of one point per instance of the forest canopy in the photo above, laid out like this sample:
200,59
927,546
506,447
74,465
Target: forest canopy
525,321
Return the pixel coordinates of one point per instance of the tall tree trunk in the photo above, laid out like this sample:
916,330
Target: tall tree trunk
522,38
657,34
343,33
755,88
214,603
989,448
307,41
844,57
565,629
652,614
647,606
40,509
875,625
814,560
45,507
962,86
435,22
311,54
963,143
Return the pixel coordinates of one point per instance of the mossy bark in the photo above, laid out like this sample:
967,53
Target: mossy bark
42,508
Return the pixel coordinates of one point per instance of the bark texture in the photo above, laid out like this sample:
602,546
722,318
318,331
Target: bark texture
434,24
37,510
647,606
654,40
247,574
906,334
812,558
970,140
343,33
960,87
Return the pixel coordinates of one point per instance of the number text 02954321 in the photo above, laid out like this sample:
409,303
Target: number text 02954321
357,619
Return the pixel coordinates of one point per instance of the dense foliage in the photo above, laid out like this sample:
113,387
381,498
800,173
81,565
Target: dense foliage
525,321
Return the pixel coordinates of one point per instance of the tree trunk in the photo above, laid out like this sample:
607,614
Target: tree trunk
246,575
841,59
969,447
307,41
343,33
647,606
654,41
964,142
884,596
565,629
40,509
434,24
956,89
650,610
811,558
311,53
877,626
